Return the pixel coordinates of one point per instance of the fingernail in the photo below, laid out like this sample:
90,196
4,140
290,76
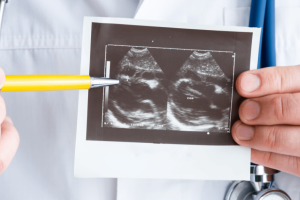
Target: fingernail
250,82
245,132
8,119
250,110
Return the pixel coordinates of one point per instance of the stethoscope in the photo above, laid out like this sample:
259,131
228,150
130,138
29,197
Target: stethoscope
260,186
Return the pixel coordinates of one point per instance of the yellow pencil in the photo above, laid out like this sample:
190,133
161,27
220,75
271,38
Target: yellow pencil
22,83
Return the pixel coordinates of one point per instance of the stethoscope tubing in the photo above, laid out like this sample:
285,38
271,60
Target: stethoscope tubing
262,15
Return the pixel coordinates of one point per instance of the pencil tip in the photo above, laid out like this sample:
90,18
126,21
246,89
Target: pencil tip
103,82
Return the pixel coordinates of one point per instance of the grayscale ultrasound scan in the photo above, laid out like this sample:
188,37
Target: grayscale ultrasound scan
176,84
140,100
193,95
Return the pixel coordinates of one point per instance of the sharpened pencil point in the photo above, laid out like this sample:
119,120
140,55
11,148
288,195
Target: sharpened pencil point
103,82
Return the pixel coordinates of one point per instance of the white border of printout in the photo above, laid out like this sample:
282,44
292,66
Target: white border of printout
146,160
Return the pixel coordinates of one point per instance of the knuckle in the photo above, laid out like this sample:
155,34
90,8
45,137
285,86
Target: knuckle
267,158
272,138
297,166
294,162
275,80
278,106
285,107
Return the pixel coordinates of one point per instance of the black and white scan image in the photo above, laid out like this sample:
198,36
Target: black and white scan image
176,84
140,100
168,89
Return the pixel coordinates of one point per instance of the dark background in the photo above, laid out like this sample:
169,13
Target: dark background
104,34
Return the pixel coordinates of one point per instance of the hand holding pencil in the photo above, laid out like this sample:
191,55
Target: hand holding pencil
20,83
9,137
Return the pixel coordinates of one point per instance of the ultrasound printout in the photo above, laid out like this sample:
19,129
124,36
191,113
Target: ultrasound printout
172,113
195,95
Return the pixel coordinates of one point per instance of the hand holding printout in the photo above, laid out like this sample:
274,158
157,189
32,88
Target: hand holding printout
9,137
270,118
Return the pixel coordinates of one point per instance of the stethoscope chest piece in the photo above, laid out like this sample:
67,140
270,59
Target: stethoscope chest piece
244,190
272,194
260,186
240,190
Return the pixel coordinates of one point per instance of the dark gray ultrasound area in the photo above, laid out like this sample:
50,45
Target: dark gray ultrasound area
177,85
195,96
140,100
199,100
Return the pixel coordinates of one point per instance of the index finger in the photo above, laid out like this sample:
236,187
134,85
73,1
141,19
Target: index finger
272,80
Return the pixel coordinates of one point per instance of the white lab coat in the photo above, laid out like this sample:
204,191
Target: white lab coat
44,37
